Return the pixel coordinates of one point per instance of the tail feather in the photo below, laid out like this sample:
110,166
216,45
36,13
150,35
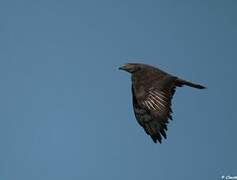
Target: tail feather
181,82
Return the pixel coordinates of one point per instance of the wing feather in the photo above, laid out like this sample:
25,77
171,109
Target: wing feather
153,111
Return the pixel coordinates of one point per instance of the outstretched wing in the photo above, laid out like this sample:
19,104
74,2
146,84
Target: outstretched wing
153,111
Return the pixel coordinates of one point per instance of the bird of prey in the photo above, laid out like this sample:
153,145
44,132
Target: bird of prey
152,92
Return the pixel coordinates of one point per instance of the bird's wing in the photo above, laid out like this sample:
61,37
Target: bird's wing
158,102
153,111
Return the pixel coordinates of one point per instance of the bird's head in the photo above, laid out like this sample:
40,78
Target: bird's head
130,67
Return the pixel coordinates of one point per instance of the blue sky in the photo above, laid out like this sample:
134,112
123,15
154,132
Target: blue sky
66,111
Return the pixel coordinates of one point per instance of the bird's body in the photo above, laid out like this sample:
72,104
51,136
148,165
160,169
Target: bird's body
152,91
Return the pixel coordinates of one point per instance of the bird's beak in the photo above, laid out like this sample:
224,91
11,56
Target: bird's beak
122,68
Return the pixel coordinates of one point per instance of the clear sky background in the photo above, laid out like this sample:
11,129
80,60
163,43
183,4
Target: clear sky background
66,111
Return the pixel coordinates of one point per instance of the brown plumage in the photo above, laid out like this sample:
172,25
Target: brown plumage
152,91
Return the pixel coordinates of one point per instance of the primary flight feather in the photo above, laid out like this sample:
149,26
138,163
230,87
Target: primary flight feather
152,91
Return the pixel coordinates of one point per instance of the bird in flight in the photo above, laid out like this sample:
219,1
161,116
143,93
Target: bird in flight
152,92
